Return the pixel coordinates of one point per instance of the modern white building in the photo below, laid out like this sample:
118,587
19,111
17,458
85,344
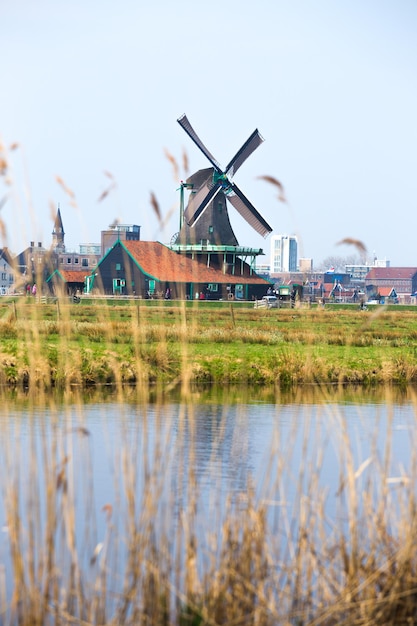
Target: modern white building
283,253
359,272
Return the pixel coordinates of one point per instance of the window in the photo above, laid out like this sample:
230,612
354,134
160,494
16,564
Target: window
69,259
211,229
220,207
3,276
84,262
61,260
76,260
118,267
213,287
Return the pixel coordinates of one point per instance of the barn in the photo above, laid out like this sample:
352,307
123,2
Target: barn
149,269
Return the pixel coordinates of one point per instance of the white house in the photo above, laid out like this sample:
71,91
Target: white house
7,274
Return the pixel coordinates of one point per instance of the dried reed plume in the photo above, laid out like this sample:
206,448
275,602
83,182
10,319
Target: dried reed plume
185,163
67,190
110,188
108,510
155,206
52,210
274,181
3,201
65,187
359,245
3,160
168,216
3,172
175,165
173,161
3,166
3,230
114,223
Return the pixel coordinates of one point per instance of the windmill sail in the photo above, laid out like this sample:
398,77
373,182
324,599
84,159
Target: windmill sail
183,121
246,150
213,187
199,201
248,211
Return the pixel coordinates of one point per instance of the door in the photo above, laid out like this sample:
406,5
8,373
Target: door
118,286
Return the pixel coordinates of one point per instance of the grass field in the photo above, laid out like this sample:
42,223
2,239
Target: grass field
61,344
359,568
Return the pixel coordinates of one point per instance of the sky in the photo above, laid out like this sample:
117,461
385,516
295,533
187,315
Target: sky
91,91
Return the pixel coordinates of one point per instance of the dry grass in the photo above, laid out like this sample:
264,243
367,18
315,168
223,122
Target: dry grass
145,554
62,344
149,555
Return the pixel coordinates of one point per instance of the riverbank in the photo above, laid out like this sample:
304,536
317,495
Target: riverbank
63,344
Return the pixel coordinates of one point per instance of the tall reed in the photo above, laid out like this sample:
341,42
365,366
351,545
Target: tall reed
61,344
147,550
144,547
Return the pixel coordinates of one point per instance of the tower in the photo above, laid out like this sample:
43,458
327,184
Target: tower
58,234
283,253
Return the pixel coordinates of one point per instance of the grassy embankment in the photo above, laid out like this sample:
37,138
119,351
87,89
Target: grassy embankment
97,342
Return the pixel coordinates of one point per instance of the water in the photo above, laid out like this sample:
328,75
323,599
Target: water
176,466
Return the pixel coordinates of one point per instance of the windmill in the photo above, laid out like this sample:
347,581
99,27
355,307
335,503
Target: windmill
205,220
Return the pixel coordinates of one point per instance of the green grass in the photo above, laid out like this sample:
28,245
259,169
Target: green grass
153,341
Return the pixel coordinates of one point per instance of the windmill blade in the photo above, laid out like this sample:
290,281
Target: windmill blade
201,200
248,211
246,150
183,121
197,198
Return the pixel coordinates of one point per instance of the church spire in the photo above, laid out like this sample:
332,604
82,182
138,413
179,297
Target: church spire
58,233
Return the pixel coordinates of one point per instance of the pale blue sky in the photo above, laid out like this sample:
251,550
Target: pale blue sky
92,86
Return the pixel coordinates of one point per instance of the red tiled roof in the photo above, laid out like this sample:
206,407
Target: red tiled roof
385,291
73,276
391,273
164,264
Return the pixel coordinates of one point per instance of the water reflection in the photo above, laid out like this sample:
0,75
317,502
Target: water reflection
208,394
225,437
168,462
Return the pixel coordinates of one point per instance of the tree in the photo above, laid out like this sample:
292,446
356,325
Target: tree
338,263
